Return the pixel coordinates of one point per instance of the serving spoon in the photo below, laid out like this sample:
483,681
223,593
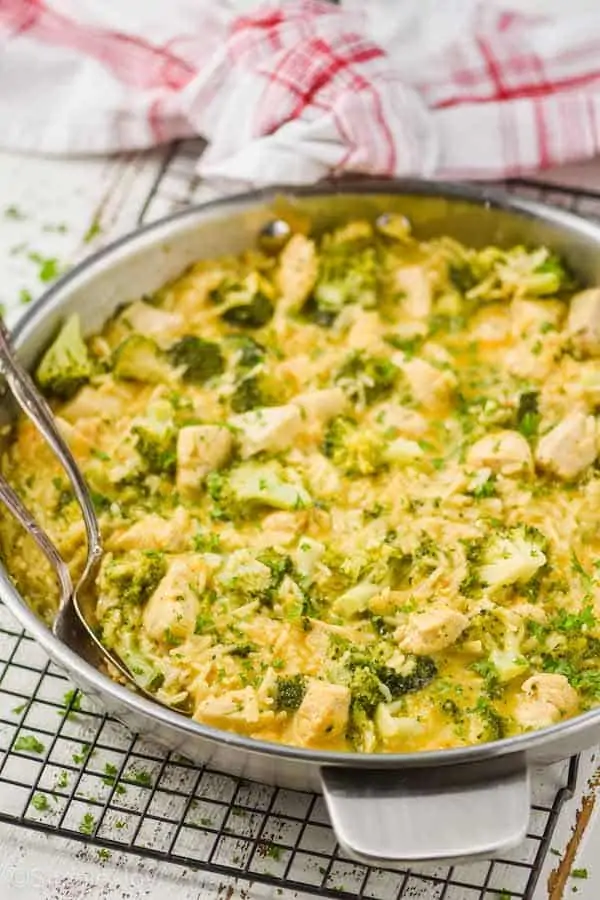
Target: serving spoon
76,609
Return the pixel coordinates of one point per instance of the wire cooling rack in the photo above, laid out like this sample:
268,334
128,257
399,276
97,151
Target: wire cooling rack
68,769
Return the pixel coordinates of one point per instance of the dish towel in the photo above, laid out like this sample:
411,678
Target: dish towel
294,91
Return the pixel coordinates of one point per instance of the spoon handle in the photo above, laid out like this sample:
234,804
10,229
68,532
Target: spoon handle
37,410
15,505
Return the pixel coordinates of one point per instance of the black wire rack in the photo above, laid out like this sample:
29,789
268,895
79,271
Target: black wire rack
68,769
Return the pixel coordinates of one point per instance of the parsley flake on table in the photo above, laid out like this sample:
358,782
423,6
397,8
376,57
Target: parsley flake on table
72,704
29,743
142,778
93,231
579,873
87,824
82,757
13,212
63,779
40,802
49,267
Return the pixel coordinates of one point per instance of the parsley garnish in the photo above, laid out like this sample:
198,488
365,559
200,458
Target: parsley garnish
29,744
40,802
87,824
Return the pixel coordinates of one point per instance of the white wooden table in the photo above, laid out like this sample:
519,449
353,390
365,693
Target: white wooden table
52,213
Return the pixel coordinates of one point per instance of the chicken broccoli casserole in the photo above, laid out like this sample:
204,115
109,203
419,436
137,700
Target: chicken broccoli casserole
347,488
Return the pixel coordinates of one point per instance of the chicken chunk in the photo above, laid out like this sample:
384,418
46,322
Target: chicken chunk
545,699
506,452
430,386
172,609
491,326
298,268
535,357
200,449
234,710
108,401
583,323
569,448
155,533
432,630
533,316
268,428
321,406
323,713
404,421
415,284
365,331
153,322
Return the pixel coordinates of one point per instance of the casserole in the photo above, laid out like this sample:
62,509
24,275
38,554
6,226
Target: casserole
388,829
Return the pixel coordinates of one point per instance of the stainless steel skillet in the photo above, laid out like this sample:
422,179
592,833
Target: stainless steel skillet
389,809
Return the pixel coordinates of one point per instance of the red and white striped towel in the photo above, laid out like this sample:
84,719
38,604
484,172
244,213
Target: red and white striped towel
293,90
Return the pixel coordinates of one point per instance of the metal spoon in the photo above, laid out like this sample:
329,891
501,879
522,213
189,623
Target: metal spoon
76,611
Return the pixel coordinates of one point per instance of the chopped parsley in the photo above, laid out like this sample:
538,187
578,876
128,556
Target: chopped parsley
140,776
40,802
29,744
63,779
93,231
110,776
72,703
579,873
82,757
13,212
87,824
49,267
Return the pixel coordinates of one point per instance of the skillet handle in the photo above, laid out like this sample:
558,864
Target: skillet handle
396,818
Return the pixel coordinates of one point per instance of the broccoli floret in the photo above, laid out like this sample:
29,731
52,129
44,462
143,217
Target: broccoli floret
156,439
361,729
243,651
289,692
347,274
280,565
528,416
399,568
510,556
244,574
551,277
246,302
367,378
372,681
199,359
254,314
461,275
423,672
145,672
66,365
132,577
367,690
354,449
248,352
252,392
493,725
139,358
240,490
